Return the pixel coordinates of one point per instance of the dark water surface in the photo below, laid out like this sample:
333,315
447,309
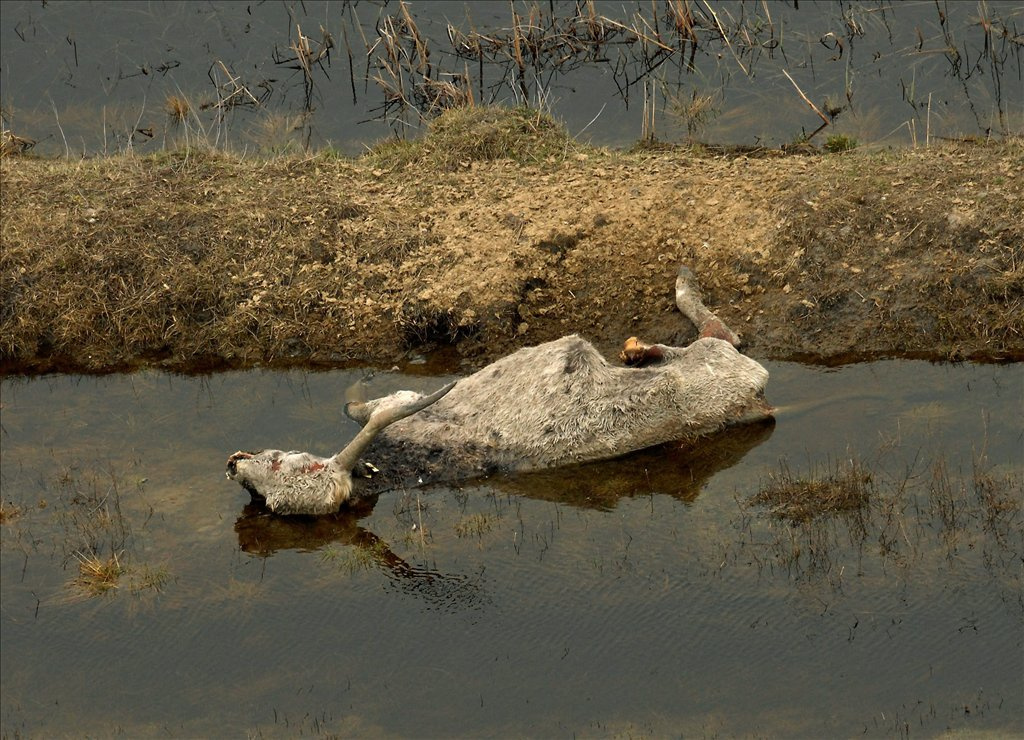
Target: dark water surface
636,596
96,77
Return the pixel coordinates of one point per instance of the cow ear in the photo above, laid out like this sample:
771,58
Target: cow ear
364,469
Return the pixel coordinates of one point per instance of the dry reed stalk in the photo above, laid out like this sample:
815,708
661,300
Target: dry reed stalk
682,20
928,124
351,64
807,100
636,32
390,65
302,52
517,51
419,512
56,115
725,38
647,130
655,34
232,93
307,54
594,26
422,52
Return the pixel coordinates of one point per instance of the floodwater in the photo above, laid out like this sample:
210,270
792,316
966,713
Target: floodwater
640,596
87,78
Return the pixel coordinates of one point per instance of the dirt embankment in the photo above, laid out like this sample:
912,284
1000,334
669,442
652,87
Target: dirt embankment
199,260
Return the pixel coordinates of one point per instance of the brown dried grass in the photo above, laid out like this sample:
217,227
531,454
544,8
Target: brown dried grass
192,256
462,136
178,109
196,260
97,576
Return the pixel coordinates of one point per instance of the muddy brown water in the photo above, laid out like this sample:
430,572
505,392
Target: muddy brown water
631,597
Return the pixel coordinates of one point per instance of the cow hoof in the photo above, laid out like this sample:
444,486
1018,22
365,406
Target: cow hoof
636,353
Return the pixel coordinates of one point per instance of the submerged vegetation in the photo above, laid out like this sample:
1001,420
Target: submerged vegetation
800,499
900,518
98,515
475,525
354,558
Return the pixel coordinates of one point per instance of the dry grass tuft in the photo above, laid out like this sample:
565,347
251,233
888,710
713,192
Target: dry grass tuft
98,576
460,136
796,499
178,109
8,512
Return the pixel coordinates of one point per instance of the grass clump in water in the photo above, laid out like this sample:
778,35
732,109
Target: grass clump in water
474,525
460,136
8,512
97,575
840,143
799,499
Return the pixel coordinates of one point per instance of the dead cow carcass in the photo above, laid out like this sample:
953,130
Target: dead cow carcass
554,404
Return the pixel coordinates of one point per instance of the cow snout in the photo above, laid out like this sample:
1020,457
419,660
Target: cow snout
233,462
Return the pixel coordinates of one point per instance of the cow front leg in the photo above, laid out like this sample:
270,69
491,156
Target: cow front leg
691,304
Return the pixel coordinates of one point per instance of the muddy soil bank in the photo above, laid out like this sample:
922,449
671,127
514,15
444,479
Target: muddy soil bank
202,260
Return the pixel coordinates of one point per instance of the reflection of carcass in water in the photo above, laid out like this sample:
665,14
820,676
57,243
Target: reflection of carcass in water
261,533
678,470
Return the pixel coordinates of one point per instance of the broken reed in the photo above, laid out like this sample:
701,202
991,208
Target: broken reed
541,44
307,53
400,58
